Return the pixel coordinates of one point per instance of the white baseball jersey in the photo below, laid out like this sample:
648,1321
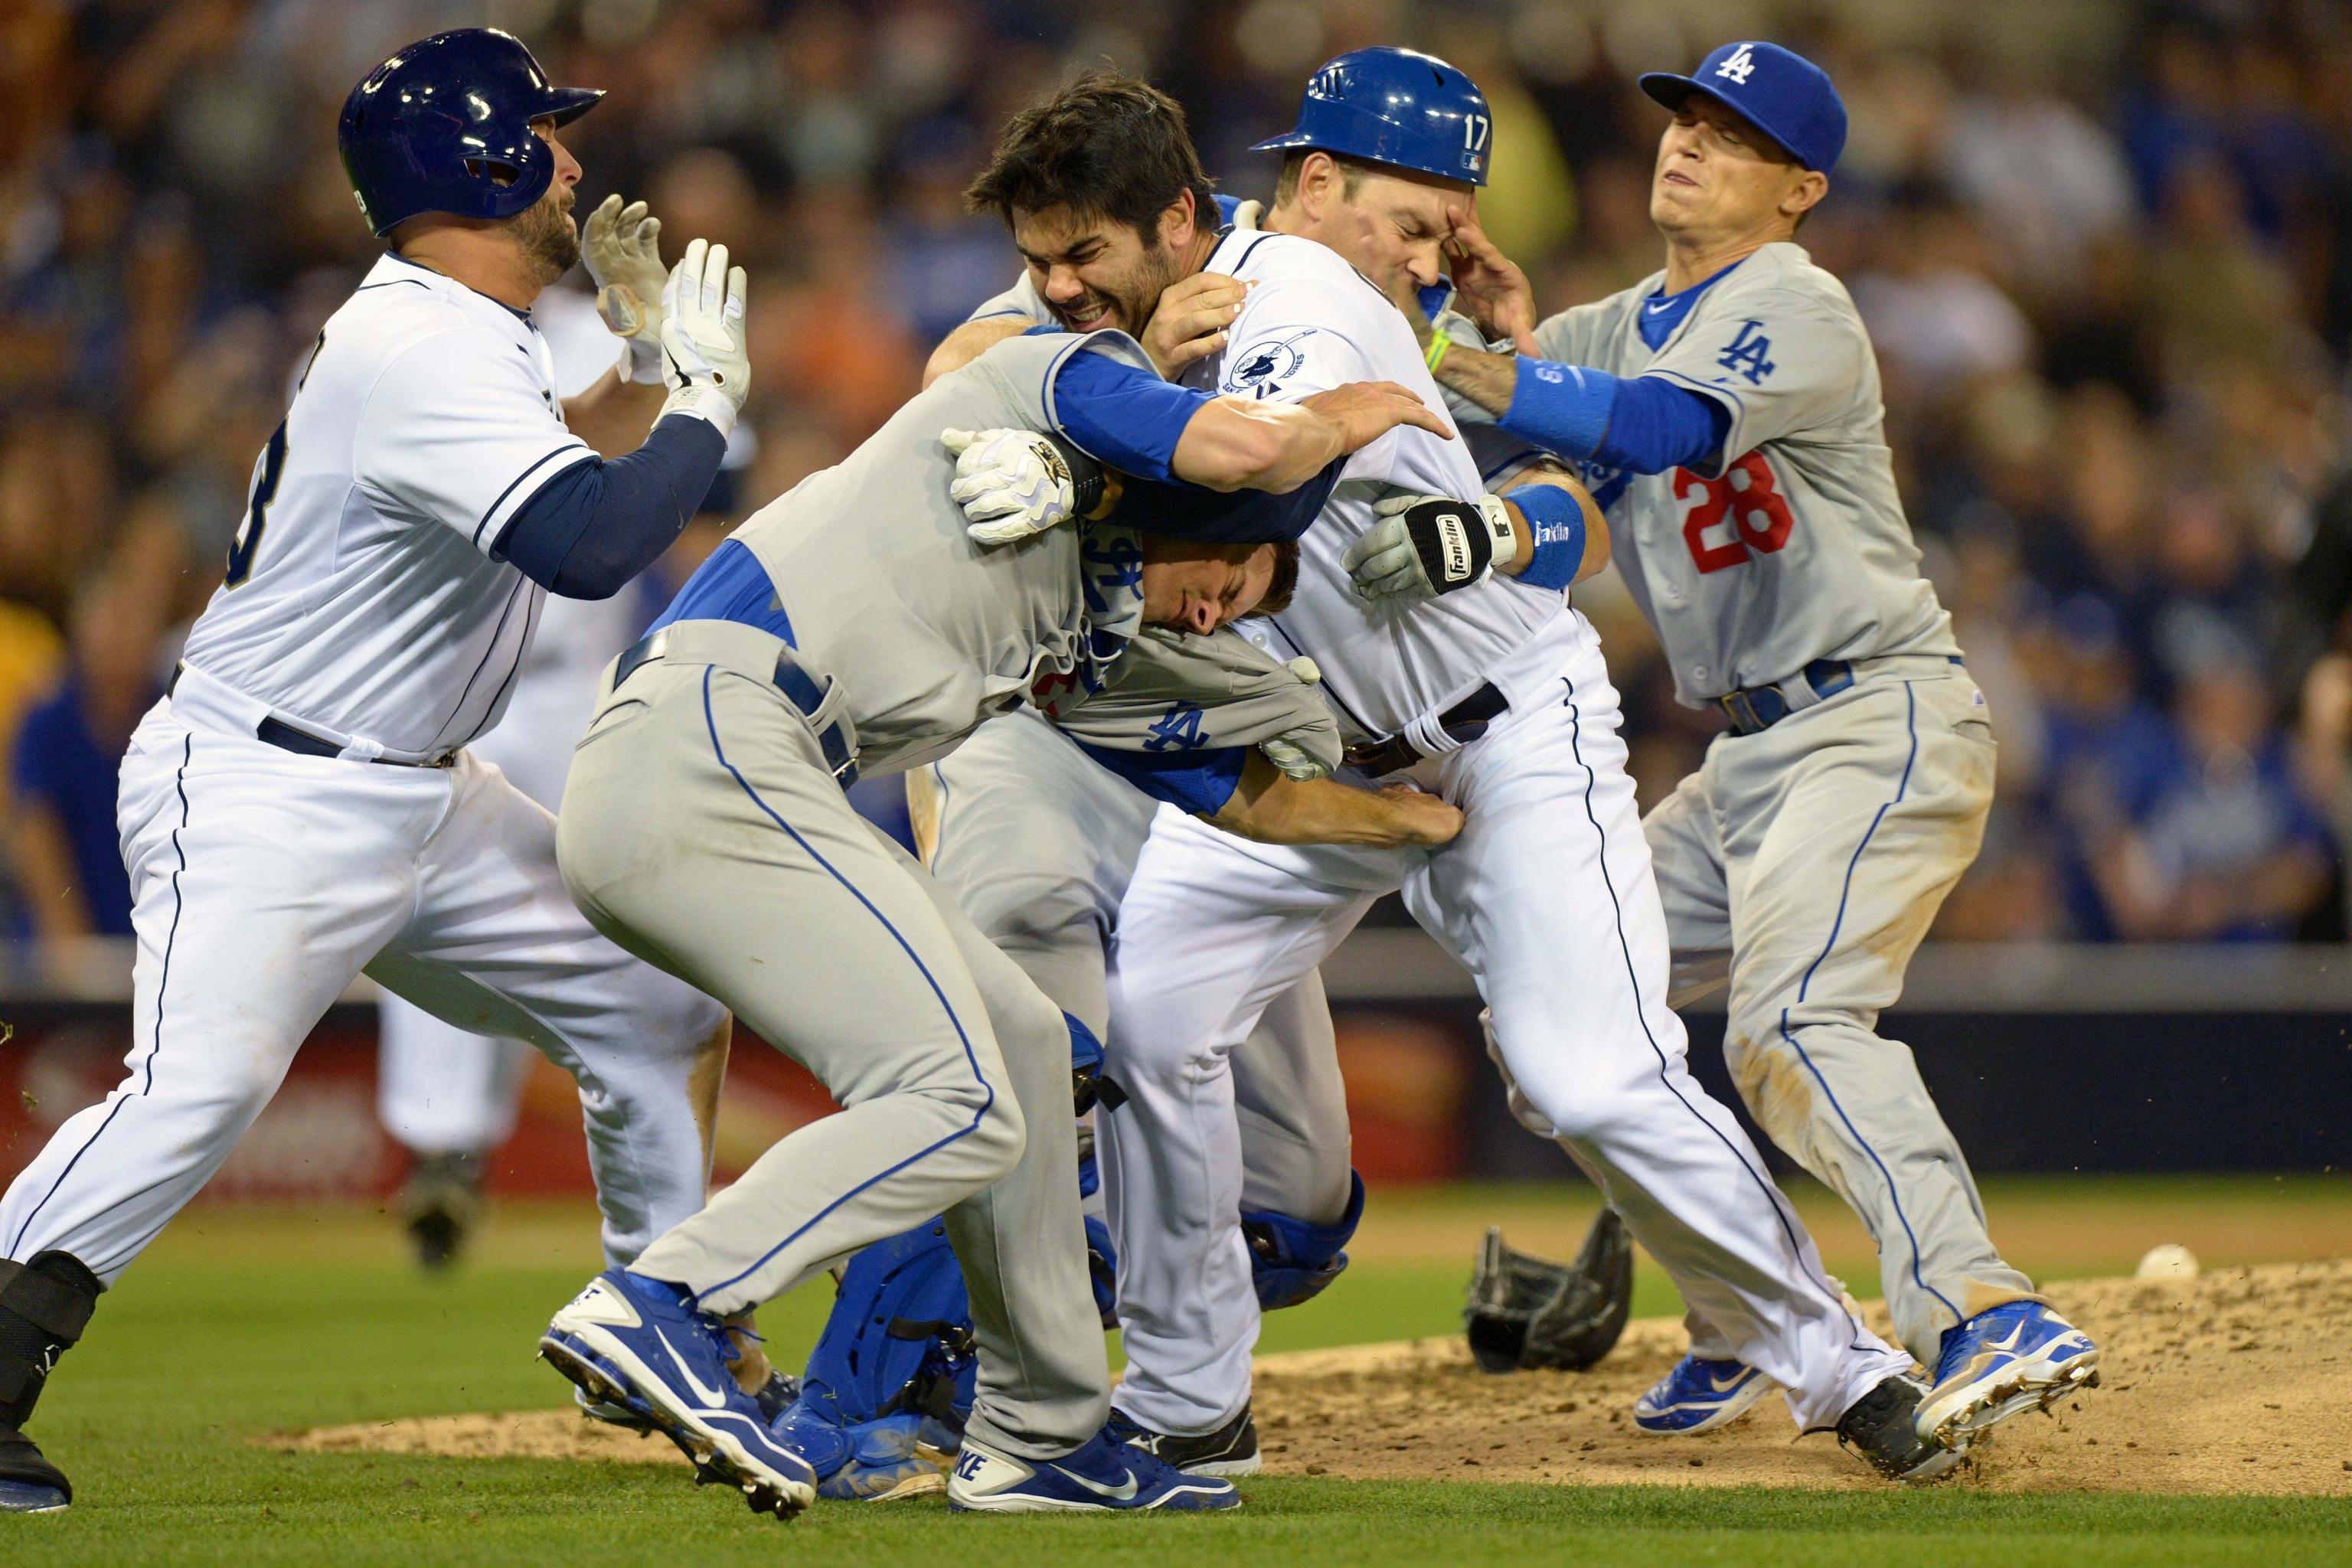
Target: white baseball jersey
1792,546
361,601
1314,322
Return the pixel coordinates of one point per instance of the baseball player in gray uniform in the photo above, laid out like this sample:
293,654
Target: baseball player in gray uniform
1727,415
855,624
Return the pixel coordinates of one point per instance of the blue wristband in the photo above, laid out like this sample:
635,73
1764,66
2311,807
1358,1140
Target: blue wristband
1563,408
1557,522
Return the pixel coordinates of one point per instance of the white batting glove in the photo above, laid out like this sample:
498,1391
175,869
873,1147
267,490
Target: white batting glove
621,247
1295,761
1011,484
704,361
1426,545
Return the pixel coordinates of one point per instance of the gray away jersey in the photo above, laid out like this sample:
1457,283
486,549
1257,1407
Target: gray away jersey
931,633
1792,546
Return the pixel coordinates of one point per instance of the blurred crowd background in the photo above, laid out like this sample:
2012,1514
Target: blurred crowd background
2104,250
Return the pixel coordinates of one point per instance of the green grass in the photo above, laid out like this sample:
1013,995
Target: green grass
239,1324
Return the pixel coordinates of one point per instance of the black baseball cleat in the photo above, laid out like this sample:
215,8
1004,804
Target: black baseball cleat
1883,1426
29,1483
440,1203
1230,1450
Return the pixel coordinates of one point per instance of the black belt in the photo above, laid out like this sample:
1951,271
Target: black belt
799,686
1465,721
1760,708
302,743
286,738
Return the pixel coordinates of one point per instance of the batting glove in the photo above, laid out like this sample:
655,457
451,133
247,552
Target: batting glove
1015,484
621,247
703,354
1426,545
1297,760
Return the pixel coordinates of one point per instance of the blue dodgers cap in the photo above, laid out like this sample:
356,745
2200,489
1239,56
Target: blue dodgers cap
1779,92
1398,107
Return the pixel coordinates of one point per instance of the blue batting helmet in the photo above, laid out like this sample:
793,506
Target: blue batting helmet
444,126
1398,107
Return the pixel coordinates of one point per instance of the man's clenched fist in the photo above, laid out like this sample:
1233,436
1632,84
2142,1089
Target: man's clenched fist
1013,484
1426,545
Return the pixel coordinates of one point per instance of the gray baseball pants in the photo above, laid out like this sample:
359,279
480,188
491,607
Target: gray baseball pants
702,830
1805,863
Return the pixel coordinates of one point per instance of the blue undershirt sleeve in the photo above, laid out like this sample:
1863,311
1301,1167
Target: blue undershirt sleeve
1128,418
591,529
1198,782
1122,414
1643,424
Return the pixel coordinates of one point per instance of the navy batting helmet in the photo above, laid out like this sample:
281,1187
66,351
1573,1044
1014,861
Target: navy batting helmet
1398,107
444,126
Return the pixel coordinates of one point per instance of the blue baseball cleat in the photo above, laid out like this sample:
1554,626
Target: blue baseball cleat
2005,1361
634,1343
1699,1396
1105,1476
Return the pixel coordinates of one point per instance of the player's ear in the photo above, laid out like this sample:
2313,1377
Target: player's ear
1805,194
1178,222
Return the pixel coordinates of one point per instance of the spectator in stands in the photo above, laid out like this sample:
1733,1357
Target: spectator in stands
61,843
2229,848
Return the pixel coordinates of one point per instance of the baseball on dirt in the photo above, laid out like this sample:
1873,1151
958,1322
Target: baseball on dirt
2170,1261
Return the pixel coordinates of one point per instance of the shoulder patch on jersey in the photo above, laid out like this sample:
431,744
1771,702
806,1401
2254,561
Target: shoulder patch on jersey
1268,364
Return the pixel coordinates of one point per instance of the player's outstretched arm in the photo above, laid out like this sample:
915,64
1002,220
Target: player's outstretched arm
1274,809
1239,443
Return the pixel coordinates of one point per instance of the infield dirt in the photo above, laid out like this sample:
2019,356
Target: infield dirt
2234,1383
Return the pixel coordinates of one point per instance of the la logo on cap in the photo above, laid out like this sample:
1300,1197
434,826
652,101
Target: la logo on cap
1739,66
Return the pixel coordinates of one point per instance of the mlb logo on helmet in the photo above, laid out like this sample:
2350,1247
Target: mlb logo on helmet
1778,91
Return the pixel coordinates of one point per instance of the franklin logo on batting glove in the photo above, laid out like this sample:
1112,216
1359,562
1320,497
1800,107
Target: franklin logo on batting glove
1426,545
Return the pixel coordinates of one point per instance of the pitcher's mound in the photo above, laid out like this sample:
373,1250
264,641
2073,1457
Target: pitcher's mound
2235,1382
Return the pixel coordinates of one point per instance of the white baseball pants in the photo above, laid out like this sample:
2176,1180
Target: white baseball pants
264,881
1547,898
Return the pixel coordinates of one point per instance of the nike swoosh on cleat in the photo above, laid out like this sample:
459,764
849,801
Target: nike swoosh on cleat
1721,1386
1116,1494
711,1398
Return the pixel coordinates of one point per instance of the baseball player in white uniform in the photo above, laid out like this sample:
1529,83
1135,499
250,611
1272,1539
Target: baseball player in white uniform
302,806
448,1097
1493,693
1726,412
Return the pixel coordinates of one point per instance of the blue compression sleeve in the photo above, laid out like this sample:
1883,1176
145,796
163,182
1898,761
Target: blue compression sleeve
1559,525
1123,416
588,531
1639,423
1199,782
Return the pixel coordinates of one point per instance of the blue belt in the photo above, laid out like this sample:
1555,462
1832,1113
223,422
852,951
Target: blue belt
1759,708
799,686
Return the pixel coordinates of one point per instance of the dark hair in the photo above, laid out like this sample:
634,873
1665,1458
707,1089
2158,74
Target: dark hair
1104,146
1285,580
1351,172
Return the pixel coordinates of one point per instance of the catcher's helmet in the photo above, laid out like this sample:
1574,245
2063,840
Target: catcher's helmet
444,126
1398,107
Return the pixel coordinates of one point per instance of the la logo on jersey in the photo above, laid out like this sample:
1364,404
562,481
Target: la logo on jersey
1749,353
1178,729
1739,67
